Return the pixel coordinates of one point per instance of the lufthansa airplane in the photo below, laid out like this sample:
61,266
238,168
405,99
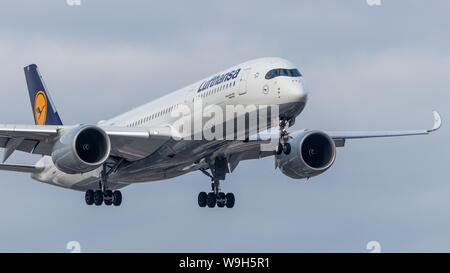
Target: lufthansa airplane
143,144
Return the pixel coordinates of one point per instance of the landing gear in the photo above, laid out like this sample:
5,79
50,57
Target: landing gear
279,148
230,200
103,194
117,198
221,200
283,144
202,199
216,196
89,197
98,197
286,148
108,197
211,200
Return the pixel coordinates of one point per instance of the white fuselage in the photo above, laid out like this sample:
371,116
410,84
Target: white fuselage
250,86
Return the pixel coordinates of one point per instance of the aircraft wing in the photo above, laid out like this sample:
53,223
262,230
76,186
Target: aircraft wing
264,143
339,137
131,143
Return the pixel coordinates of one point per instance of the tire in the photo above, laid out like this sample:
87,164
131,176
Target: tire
279,149
221,199
108,202
287,148
211,200
202,199
108,198
89,197
98,197
109,194
117,198
230,200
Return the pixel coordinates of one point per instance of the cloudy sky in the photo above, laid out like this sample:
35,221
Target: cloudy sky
366,68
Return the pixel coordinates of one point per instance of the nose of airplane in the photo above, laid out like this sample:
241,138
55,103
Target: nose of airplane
297,92
302,94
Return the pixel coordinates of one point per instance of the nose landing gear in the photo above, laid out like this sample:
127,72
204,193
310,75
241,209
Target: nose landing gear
283,144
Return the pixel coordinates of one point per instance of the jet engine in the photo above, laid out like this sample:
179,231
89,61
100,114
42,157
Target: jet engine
82,149
311,153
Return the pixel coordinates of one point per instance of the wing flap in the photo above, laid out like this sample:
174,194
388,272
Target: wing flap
20,168
133,143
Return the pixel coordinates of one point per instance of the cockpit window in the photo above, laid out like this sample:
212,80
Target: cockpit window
282,72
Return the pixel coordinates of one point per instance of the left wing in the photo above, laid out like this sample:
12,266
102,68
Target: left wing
264,144
339,137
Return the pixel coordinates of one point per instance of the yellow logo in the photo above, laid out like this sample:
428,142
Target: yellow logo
40,108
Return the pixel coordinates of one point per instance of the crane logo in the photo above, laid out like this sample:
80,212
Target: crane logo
40,108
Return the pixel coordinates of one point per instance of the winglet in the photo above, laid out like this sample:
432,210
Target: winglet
437,122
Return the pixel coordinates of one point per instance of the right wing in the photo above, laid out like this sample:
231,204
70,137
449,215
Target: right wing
20,168
131,143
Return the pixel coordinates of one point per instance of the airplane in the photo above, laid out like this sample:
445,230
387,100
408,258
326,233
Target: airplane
141,145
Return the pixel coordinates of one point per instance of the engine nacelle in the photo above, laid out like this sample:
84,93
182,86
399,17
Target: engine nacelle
81,149
312,153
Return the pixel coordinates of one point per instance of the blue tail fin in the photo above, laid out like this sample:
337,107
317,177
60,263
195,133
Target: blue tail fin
43,108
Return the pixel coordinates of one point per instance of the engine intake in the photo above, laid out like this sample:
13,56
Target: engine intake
312,153
317,151
81,150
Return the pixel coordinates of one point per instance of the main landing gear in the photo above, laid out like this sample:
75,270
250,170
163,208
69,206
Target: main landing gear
283,144
216,196
99,197
103,194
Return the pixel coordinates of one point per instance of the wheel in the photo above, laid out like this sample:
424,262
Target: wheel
230,200
287,148
202,199
98,197
221,199
108,198
279,149
89,197
117,198
211,200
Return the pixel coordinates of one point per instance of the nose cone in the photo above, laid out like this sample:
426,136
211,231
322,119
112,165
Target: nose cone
301,94
296,92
